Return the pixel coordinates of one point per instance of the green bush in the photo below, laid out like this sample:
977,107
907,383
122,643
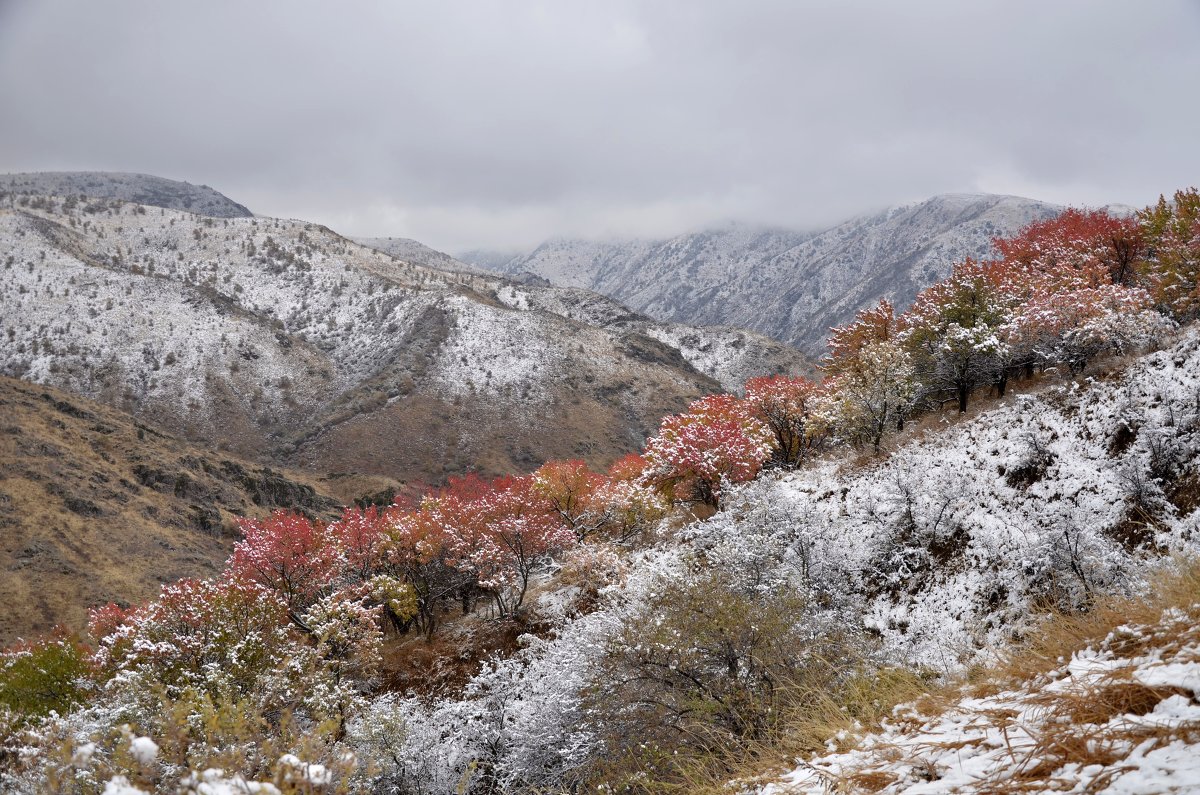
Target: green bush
45,676
708,675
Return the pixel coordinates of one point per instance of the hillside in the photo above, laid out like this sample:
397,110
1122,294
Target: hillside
1119,715
97,507
284,342
759,588
927,560
788,285
417,253
138,188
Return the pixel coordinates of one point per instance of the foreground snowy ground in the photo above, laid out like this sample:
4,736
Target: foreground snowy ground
1122,717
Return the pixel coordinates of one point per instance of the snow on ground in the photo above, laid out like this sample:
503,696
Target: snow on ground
731,356
495,350
1105,721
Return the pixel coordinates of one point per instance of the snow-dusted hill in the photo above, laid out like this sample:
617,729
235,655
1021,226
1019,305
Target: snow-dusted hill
417,253
940,552
788,285
140,188
281,338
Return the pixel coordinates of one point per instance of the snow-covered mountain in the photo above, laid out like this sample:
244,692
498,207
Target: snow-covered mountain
141,188
283,340
788,285
417,253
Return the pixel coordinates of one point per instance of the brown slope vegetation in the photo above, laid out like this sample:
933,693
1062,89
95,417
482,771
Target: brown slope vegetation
97,507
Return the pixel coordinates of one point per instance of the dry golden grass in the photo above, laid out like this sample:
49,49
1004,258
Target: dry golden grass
96,507
813,718
1175,586
1105,701
870,782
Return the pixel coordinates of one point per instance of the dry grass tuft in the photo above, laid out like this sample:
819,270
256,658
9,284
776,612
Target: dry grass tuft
872,781
1099,705
1176,586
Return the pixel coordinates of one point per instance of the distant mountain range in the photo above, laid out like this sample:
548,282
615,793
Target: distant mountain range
139,188
792,286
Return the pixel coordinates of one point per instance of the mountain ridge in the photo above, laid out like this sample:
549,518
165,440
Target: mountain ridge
283,340
789,285
139,188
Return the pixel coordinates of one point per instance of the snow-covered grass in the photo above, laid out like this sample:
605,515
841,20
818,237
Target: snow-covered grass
1119,715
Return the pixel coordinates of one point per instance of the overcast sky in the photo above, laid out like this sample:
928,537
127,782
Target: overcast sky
497,124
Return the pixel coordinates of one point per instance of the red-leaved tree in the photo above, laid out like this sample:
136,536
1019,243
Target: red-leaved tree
1077,248
568,489
715,441
289,553
797,412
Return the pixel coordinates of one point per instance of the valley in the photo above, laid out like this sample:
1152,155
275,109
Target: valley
553,494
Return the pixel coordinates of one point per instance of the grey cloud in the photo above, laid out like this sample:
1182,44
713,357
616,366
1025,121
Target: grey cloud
499,123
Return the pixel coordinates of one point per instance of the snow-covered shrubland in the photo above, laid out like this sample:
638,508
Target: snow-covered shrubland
938,555
948,544
796,592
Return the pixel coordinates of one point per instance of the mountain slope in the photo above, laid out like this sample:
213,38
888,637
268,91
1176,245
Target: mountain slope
285,341
937,556
788,285
417,253
97,507
730,355
1120,715
139,188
